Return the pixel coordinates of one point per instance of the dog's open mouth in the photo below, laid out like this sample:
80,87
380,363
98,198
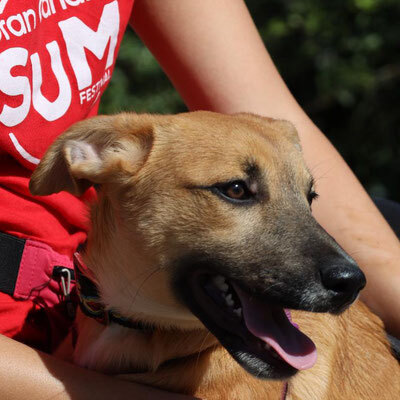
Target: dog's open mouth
250,329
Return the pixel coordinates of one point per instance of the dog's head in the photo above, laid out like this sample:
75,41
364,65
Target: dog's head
206,217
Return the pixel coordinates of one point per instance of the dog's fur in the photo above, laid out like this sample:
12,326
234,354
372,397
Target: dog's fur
157,220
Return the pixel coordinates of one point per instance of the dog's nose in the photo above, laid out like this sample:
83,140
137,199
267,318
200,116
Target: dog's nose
345,279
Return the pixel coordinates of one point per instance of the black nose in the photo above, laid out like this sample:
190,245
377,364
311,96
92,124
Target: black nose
343,278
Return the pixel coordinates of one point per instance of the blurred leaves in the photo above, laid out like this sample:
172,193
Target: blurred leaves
138,83
341,60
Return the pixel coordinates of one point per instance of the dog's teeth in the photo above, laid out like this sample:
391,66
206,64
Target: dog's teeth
217,279
229,300
238,312
224,287
220,282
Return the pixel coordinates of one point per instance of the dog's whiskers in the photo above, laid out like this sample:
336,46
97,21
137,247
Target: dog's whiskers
319,177
272,286
151,274
201,348
356,252
128,281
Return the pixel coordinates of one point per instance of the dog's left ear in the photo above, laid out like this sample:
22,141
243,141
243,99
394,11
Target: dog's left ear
95,151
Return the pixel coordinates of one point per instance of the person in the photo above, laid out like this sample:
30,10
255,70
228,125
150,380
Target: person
55,62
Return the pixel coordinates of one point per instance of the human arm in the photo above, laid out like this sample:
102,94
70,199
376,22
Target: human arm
29,374
213,54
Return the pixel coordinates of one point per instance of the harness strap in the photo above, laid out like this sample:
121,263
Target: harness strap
28,270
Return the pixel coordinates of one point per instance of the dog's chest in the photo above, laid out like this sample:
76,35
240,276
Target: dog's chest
110,349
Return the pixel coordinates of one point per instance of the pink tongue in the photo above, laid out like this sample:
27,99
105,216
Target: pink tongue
271,325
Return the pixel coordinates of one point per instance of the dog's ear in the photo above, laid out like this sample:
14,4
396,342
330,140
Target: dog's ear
94,151
287,129
284,127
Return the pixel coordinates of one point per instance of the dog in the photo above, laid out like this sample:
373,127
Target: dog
201,237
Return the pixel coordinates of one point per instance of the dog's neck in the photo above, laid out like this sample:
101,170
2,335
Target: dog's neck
92,305
131,278
115,349
107,352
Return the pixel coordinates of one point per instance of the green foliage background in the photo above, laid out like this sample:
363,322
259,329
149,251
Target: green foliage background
341,60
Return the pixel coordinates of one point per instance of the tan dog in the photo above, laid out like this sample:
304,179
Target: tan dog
203,232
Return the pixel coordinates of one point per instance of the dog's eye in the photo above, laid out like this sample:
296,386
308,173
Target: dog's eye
312,195
236,190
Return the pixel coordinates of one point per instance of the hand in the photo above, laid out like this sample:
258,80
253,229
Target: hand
33,375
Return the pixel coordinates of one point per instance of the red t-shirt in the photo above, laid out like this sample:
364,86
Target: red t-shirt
56,59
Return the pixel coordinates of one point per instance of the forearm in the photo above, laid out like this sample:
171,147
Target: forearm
349,215
220,63
28,374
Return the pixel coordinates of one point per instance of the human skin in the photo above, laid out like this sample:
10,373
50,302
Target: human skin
29,374
213,54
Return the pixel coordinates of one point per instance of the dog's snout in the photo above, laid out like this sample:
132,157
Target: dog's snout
343,278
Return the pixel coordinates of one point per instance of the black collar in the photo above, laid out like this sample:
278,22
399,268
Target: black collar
92,306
